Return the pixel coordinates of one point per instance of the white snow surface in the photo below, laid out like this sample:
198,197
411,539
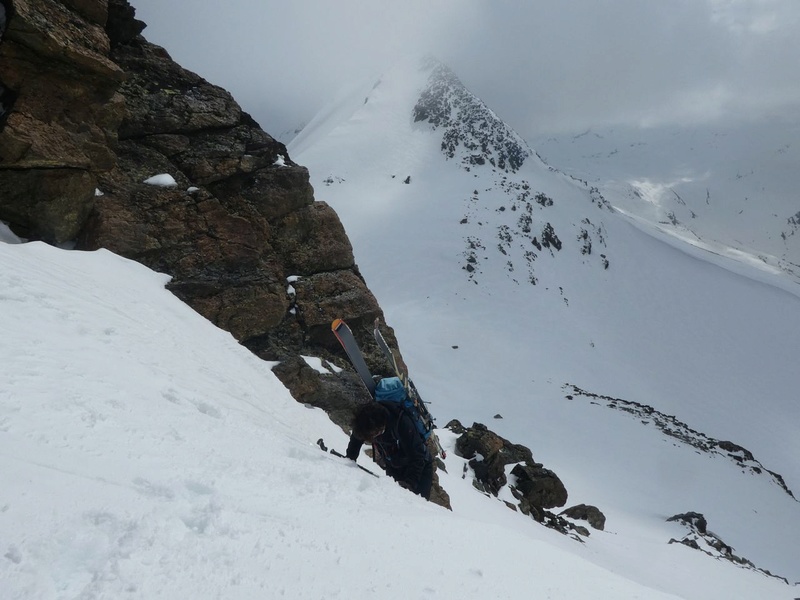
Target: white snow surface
689,330
145,454
161,180
7,236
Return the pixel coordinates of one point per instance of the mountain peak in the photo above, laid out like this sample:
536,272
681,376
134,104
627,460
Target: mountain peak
472,132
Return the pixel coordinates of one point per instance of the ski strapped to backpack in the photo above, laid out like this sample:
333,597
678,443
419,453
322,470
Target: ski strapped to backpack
399,389
348,342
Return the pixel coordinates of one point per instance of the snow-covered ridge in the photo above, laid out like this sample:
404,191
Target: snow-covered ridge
472,132
672,427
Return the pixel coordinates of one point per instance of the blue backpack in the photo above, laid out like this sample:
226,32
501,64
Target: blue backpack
390,390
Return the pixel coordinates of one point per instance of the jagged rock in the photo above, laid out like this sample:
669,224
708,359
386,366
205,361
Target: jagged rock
539,487
588,513
252,220
164,98
60,115
535,487
122,26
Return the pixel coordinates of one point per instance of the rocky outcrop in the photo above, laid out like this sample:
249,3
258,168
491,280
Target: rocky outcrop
533,486
506,470
698,537
585,512
242,216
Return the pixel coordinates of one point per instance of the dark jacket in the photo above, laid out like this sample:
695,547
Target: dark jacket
401,451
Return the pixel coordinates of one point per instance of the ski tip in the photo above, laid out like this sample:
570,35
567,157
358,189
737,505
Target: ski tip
336,324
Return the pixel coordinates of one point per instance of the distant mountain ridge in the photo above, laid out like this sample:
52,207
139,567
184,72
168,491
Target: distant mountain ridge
731,188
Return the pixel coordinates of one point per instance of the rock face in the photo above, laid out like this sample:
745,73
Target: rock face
60,113
241,219
89,104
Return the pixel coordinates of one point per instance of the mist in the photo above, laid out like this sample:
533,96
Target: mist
545,67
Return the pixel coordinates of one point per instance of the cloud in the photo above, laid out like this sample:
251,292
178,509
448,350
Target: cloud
544,67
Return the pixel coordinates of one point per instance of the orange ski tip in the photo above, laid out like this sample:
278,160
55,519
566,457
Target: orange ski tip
336,323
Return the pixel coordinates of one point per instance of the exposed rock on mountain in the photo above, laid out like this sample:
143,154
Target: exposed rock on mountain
508,471
61,110
92,110
672,427
700,538
534,486
472,133
590,514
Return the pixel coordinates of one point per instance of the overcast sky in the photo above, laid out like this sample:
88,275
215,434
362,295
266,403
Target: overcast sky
544,66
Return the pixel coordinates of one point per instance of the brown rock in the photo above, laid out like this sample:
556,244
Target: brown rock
323,297
246,310
60,116
52,31
536,488
94,11
46,204
588,513
313,239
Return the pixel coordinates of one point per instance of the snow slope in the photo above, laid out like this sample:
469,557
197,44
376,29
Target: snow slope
145,454
734,186
491,320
